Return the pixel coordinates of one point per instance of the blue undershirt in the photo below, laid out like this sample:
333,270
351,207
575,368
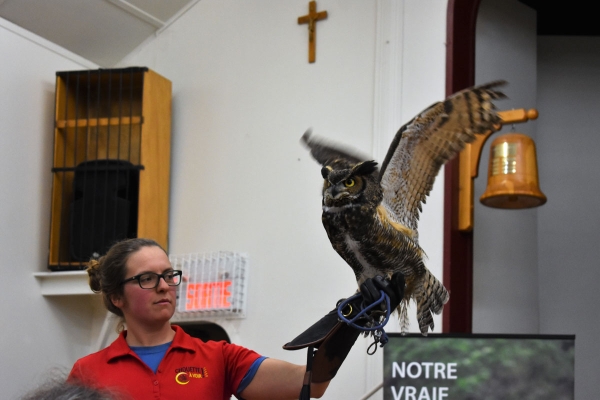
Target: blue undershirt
151,355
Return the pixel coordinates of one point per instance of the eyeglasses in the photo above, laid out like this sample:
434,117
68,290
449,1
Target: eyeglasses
150,280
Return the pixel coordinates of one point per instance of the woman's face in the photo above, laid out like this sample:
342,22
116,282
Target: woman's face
147,306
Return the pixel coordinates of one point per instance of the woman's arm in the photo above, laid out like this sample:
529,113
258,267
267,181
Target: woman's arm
280,380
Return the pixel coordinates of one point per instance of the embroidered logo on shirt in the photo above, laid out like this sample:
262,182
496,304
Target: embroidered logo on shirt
184,374
182,378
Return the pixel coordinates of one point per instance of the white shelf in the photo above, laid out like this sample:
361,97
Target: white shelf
64,283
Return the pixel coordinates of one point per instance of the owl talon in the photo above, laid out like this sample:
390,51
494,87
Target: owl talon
357,320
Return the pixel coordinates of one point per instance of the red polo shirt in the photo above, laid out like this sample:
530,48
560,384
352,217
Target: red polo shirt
190,369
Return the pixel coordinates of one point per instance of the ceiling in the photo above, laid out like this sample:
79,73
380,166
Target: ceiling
102,31
572,18
105,31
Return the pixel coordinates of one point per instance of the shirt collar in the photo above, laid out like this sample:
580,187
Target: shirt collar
120,348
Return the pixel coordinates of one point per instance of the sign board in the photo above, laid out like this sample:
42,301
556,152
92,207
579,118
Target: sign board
491,367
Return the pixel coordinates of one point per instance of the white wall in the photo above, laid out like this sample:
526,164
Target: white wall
568,143
243,93
39,333
505,276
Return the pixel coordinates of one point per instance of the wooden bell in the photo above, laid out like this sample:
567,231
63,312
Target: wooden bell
512,174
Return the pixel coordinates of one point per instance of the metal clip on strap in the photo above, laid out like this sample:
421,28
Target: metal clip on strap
364,311
379,334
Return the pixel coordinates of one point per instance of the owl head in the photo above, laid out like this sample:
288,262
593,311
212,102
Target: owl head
349,184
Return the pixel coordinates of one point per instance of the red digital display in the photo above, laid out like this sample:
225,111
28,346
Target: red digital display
208,295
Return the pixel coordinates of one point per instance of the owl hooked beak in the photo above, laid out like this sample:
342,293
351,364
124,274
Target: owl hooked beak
336,193
332,198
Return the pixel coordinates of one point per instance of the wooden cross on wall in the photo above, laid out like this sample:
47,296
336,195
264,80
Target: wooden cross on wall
311,19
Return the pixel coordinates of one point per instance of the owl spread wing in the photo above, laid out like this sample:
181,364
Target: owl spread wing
424,144
325,152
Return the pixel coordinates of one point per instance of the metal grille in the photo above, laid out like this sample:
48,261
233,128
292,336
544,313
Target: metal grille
97,159
214,285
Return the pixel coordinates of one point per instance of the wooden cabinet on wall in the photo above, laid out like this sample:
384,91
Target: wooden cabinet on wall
112,145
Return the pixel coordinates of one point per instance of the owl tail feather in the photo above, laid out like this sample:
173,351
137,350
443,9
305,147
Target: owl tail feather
402,310
430,299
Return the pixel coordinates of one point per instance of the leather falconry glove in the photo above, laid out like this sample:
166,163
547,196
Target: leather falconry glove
334,338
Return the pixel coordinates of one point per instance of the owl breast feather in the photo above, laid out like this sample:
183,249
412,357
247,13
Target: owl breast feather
371,243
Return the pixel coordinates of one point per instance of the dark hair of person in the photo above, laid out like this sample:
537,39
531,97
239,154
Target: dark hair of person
61,390
107,273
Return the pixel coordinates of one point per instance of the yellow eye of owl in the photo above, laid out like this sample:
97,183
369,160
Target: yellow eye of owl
349,182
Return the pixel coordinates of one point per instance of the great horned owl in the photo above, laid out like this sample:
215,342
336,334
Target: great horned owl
371,215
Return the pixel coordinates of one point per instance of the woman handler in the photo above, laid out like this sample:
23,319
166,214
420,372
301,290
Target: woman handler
153,359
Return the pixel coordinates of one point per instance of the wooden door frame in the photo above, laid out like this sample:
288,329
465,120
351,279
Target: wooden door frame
458,246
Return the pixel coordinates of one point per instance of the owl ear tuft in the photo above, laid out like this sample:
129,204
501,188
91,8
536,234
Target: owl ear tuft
325,171
364,168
